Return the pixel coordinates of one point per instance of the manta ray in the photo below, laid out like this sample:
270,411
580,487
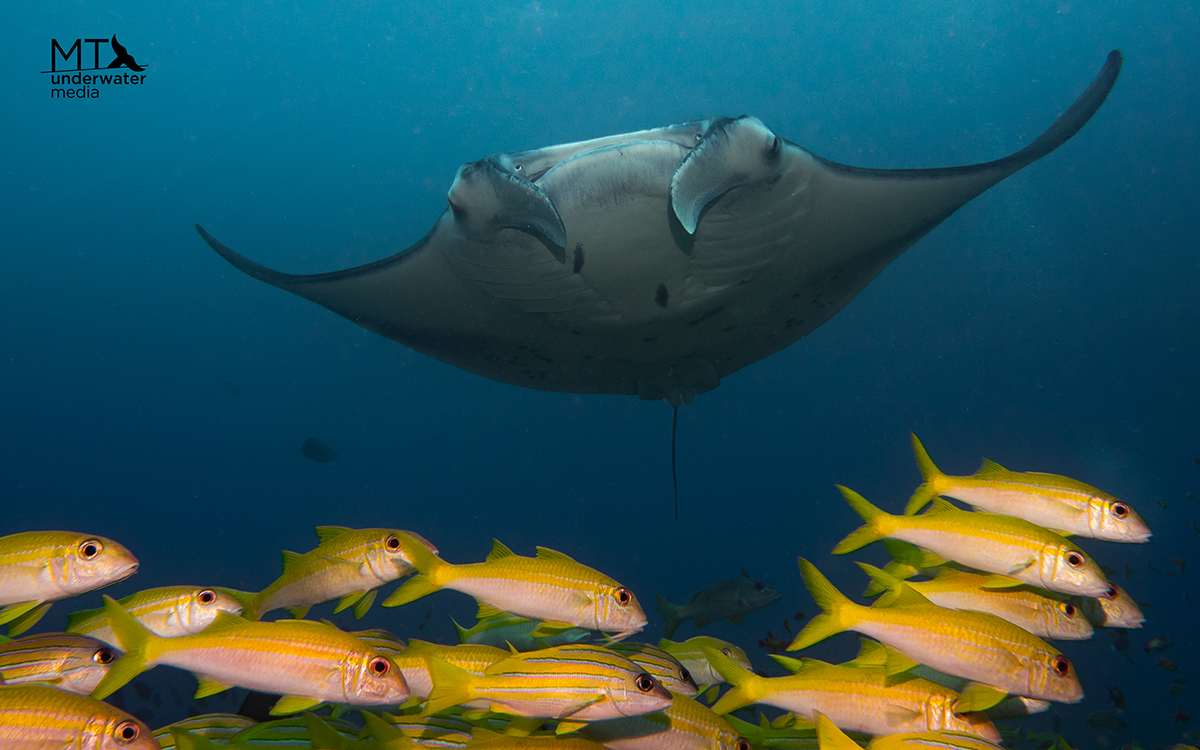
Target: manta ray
652,263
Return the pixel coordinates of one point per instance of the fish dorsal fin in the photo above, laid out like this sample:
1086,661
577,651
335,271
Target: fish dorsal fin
990,467
76,618
544,553
870,654
788,663
329,533
499,551
940,505
897,594
290,559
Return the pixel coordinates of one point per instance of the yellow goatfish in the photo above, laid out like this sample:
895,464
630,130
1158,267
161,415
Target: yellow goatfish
999,657
550,587
482,739
684,725
169,611
1040,613
348,564
309,663
74,663
1055,502
414,662
574,683
830,737
1115,608
38,568
1016,551
859,698
38,717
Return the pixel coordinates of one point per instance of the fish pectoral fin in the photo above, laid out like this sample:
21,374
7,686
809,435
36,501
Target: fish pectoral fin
28,618
896,662
896,715
348,600
364,604
298,613
294,704
13,611
978,697
565,727
997,581
584,705
486,611
209,686
736,619
548,629
783,721
711,693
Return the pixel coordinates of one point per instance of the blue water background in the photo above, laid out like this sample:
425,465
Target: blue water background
1050,325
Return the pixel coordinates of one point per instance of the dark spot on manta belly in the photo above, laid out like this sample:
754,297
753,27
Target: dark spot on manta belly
660,295
578,264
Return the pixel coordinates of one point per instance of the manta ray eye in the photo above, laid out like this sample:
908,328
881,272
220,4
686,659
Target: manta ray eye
1061,666
624,596
643,682
207,596
380,666
1120,510
104,656
126,732
90,549
1074,559
774,148
1068,609
1110,592
392,543
741,744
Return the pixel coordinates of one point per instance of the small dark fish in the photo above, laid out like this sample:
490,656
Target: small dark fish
1107,571
1162,505
318,451
1106,721
428,614
1158,643
730,599
799,616
1117,697
773,643
1119,639
787,625
1128,572
1190,496
1150,565
1181,716
1167,664
1145,604
1177,687
1180,563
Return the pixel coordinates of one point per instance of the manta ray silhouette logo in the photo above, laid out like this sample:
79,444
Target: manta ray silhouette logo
91,79
123,57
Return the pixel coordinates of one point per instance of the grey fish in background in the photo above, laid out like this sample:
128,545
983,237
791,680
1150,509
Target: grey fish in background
318,451
730,599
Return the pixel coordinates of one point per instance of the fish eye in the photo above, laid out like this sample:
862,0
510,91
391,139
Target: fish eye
741,744
624,596
685,674
517,167
90,549
1074,559
1068,609
727,652
380,666
126,732
758,586
392,543
643,682
207,596
1061,666
104,656
1110,593
1120,510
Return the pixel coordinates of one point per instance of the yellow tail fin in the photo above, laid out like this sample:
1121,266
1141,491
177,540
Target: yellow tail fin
931,475
871,531
838,611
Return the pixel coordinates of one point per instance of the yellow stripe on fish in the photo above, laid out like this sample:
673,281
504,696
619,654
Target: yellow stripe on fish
307,662
684,725
348,564
550,587
38,568
1040,613
1009,547
576,682
415,662
972,645
75,663
830,737
1049,500
662,666
38,717
170,611
859,698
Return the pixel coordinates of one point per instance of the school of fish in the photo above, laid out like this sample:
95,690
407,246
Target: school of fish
956,639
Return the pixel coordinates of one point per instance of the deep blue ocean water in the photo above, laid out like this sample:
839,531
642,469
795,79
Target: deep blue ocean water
151,393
